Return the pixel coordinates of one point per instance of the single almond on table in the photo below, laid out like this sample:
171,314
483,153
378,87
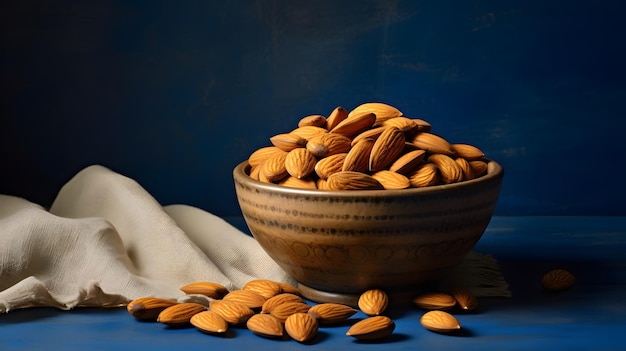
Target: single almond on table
248,298
288,141
209,322
284,310
386,149
373,302
432,143
312,120
350,180
435,301
557,280
335,117
331,313
265,325
392,180
265,287
279,300
372,328
425,175
210,289
180,314
233,313
465,298
440,322
302,327
300,162
148,308
329,165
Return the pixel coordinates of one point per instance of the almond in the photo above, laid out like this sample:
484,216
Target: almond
288,141
286,309
300,183
248,298
373,302
180,314
233,313
331,313
264,287
422,125
349,180
450,171
209,322
425,175
465,298
312,120
358,157
392,180
279,300
210,289
386,149
354,124
288,288
468,171
335,117
265,325
328,144
322,184
435,301
440,322
479,167
329,165
468,152
373,133
382,110
408,162
302,327
557,280
372,328
405,124
308,132
262,154
432,143
300,162
273,169
148,308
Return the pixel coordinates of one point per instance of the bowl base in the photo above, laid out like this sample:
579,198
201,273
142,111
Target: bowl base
396,297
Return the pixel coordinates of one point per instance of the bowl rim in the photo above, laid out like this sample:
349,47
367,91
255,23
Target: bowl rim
495,172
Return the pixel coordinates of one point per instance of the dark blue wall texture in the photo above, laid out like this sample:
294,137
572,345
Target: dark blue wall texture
175,93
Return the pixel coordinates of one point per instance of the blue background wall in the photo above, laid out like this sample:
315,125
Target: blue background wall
175,93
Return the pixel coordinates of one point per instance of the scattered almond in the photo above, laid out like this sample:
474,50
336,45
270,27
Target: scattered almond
210,289
148,308
180,314
248,298
279,300
284,310
558,280
209,322
265,325
435,301
264,287
233,313
440,322
373,302
302,327
331,313
465,298
372,328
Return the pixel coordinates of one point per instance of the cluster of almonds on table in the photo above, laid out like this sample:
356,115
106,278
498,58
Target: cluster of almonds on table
373,146
275,310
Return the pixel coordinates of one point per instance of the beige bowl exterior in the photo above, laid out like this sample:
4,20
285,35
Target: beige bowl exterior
345,242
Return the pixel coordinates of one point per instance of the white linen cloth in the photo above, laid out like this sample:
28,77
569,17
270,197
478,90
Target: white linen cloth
105,241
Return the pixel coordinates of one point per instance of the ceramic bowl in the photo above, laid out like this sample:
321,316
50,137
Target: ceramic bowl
337,244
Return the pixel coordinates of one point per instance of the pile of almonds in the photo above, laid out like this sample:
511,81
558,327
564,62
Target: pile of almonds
274,310
373,146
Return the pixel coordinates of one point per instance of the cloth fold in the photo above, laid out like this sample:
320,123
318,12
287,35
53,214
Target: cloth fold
105,241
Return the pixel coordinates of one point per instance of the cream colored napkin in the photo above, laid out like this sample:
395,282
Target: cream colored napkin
106,241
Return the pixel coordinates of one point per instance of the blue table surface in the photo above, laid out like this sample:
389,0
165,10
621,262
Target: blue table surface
588,316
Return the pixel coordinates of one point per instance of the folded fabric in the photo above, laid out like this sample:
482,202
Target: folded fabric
105,241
